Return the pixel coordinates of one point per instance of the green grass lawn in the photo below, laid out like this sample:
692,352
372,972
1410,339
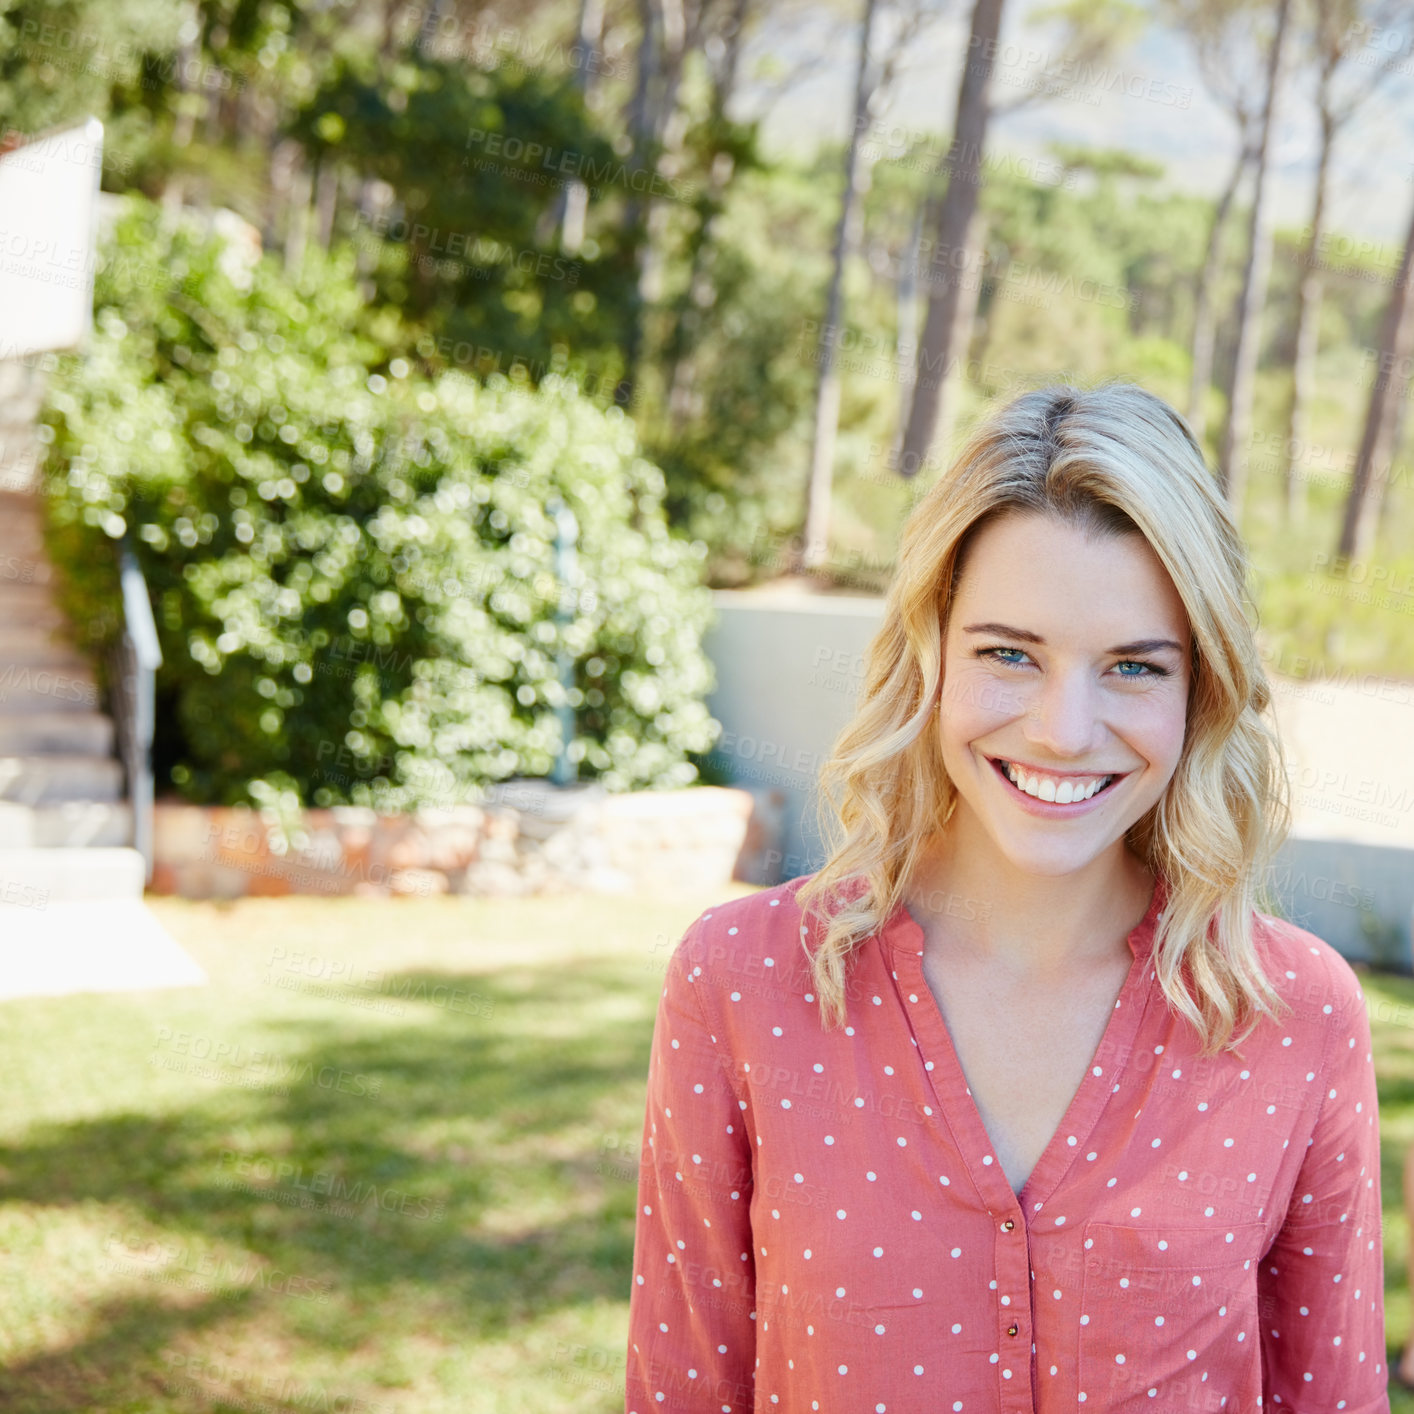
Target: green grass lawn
385,1162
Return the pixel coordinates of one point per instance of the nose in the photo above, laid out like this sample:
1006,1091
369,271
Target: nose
1061,719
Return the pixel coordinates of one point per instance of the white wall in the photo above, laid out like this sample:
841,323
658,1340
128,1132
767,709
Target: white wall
788,672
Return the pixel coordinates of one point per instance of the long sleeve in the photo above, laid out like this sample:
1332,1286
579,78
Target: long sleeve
1321,1284
692,1342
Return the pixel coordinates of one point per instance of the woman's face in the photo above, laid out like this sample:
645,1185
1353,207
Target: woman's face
1067,656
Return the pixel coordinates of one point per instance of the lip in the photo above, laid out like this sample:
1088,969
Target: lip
1047,809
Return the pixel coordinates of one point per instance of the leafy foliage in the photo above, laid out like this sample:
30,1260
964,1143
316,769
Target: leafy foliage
475,160
355,574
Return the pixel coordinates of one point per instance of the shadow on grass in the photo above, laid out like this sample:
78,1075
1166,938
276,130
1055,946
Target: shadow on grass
340,1208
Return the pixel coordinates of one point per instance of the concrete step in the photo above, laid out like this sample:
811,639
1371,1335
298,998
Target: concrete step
20,508
20,527
22,385
38,613
78,824
30,648
65,874
25,689
17,440
43,780
85,945
28,635
65,733
25,567
20,599
22,470
22,546
16,505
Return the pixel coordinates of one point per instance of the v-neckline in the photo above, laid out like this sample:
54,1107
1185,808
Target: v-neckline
904,937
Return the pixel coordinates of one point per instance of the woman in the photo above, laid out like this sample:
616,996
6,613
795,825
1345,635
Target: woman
1019,1103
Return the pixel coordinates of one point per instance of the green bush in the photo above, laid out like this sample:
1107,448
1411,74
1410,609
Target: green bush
353,572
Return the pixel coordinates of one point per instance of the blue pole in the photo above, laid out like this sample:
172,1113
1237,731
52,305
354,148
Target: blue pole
567,572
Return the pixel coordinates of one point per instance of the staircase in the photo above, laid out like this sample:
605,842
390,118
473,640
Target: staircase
66,830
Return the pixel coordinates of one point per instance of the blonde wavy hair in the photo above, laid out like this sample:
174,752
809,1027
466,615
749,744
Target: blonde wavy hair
1109,461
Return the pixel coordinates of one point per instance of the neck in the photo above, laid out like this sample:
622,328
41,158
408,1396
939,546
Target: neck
978,905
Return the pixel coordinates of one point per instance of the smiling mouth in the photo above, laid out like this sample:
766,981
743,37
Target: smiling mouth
1001,764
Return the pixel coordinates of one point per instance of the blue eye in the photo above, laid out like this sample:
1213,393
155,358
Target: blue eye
1149,669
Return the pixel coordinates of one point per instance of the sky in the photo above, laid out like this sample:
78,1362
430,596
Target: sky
1150,100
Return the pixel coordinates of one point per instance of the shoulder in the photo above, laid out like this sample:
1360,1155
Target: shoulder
1309,973
761,926
745,957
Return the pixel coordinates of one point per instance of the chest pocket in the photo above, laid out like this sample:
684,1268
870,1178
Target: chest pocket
1169,1317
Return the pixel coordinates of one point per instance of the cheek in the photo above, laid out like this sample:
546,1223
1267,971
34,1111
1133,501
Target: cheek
1156,729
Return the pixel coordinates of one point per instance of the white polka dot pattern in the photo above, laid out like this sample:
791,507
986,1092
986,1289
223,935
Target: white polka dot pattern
822,1223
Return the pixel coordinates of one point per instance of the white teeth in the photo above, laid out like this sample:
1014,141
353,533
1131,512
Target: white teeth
1044,788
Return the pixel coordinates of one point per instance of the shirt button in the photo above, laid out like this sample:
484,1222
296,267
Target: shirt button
1008,1225
1011,1330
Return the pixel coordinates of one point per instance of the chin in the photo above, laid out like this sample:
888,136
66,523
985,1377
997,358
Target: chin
1052,864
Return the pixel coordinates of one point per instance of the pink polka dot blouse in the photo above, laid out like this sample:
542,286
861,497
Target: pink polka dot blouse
822,1224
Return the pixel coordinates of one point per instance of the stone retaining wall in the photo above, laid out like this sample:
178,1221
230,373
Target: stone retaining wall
525,837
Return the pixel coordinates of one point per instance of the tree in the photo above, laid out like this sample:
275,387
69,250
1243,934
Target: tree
871,87
1388,390
952,217
1332,40
656,126
1090,31
573,200
1233,455
458,257
1223,35
728,146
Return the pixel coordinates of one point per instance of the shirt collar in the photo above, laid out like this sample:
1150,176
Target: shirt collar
902,932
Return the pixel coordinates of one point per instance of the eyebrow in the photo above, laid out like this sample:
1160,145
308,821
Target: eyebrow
1141,645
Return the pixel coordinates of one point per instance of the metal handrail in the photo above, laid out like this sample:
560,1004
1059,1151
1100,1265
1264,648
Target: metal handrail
133,662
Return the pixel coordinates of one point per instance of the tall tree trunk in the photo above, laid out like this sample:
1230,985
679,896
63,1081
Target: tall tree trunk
961,342
297,216
906,331
1379,485
701,291
280,225
427,32
652,123
954,222
827,389
1390,387
1204,323
184,124
570,205
1308,324
326,199
1234,455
